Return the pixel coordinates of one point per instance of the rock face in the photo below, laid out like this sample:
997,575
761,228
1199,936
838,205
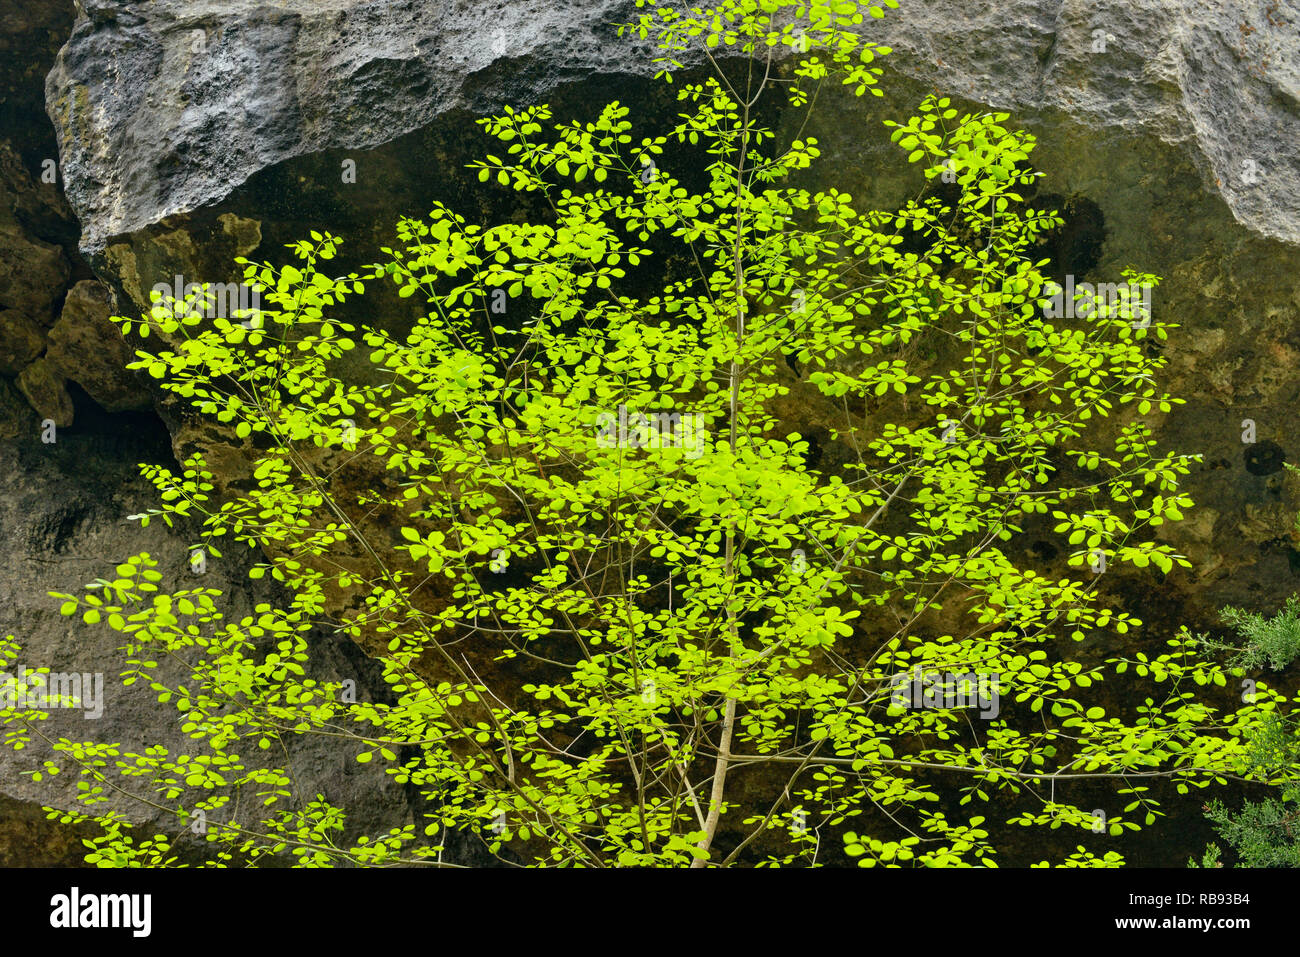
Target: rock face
65,492
143,92
63,508
189,133
165,107
85,346
21,341
46,392
33,272
1168,143
39,259
30,36
1220,82
193,133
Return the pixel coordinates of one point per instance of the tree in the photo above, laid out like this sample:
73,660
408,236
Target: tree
627,615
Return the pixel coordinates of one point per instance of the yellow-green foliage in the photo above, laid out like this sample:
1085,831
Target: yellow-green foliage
711,628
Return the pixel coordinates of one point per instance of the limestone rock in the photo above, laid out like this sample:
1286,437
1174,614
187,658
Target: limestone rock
16,416
143,92
1166,132
30,36
1219,81
63,513
33,272
86,347
46,391
21,341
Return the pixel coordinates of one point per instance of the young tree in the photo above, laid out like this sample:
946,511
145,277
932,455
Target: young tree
627,614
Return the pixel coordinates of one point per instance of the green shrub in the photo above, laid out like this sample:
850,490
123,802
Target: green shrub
1263,833
1274,641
